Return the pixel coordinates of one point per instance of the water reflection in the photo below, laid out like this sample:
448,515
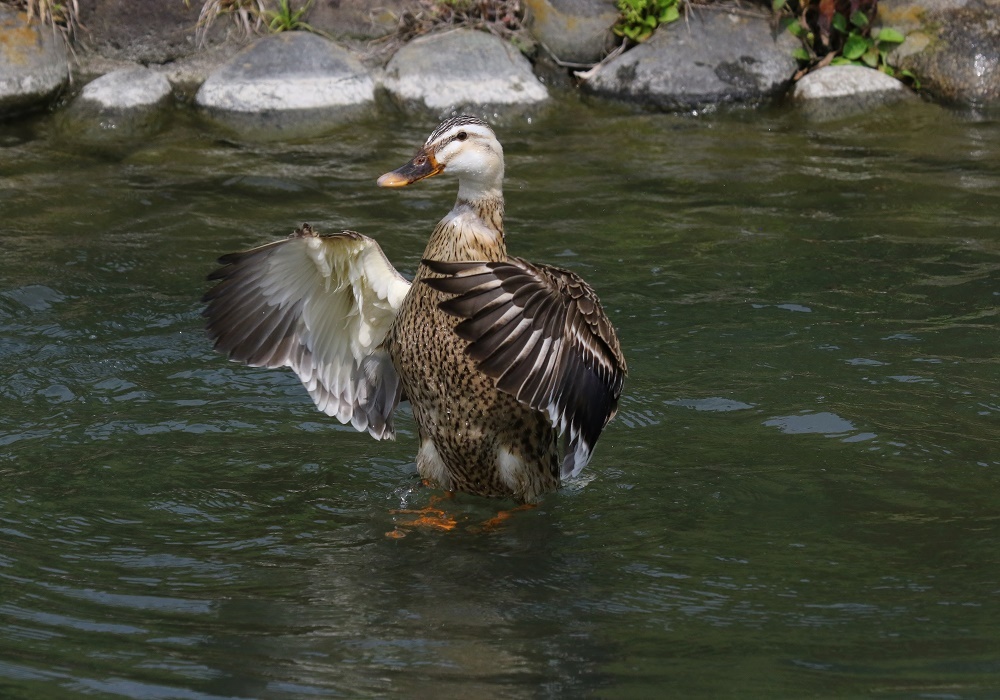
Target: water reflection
824,423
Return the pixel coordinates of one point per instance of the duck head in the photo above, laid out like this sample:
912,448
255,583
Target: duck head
465,146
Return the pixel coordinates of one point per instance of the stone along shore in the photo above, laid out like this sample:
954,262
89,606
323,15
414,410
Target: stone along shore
136,58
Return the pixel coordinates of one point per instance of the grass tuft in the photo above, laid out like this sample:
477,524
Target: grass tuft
63,17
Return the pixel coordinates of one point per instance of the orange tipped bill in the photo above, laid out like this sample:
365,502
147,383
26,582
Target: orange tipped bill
422,165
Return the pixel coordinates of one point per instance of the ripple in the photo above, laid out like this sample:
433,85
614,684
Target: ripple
36,297
825,423
638,418
149,691
905,337
797,308
714,403
865,362
14,437
146,603
57,393
56,620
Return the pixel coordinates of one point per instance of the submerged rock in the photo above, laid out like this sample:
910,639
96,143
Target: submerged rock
462,68
34,63
577,31
710,57
839,91
288,82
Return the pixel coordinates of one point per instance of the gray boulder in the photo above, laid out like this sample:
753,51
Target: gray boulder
840,91
185,74
126,104
952,46
574,31
34,63
461,69
712,56
128,88
287,83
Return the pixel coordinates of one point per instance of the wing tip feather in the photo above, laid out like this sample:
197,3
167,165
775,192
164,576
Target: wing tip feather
255,315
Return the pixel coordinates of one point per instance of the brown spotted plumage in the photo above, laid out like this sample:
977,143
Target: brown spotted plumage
512,368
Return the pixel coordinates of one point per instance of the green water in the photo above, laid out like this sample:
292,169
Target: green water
799,497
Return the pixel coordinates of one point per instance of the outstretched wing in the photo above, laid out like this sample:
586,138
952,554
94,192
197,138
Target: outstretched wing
541,333
322,305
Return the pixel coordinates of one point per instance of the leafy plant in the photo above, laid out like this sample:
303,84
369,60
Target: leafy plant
287,19
640,18
840,32
252,16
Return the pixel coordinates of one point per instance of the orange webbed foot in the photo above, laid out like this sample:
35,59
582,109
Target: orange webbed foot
430,516
503,516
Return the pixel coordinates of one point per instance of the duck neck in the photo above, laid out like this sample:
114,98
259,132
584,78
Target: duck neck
488,207
473,229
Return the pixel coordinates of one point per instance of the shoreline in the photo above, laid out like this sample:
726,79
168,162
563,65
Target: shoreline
297,81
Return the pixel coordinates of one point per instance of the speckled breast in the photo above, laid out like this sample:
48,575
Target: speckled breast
460,409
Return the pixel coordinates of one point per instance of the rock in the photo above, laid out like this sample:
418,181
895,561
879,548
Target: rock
576,31
163,32
461,69
116,109
128,88
34,64
911,15
952,46
123,105
187,74
356,19
288,82
839,91
712,57
142,31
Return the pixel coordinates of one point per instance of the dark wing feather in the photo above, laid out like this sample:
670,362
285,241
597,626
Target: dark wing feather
541,334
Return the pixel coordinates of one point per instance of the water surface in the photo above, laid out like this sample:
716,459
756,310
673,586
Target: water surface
799,496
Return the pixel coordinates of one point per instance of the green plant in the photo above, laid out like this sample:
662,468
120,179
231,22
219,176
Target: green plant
252,16
287,19
640,18
840,32
868,49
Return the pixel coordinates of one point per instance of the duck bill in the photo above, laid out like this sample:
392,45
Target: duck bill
423,165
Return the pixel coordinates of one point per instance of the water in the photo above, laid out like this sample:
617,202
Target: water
798,498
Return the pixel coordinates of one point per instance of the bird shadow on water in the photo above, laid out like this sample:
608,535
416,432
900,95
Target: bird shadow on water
464,612
483,606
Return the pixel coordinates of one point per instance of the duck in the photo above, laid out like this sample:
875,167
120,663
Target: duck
512,369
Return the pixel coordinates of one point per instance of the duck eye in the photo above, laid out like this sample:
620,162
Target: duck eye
420,160
461,136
